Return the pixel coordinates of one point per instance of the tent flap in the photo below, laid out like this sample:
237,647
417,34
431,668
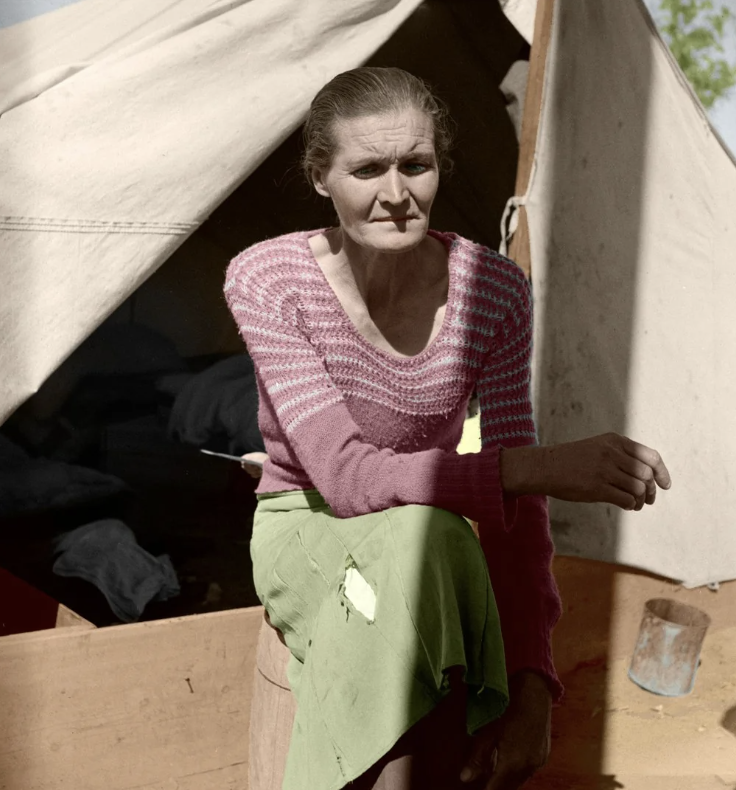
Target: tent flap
632,237
110,168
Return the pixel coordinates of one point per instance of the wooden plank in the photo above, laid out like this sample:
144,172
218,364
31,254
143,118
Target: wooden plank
534,91
66,618
157,705
519,248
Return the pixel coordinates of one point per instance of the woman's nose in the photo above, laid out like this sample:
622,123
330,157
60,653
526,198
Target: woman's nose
393,189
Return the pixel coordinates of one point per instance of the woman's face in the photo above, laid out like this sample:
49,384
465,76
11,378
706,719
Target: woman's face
383,179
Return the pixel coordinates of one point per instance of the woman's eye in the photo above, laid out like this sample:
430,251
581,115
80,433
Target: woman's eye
365,172
415,167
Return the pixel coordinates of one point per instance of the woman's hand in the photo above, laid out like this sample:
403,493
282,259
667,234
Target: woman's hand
254,470
607,468
508,752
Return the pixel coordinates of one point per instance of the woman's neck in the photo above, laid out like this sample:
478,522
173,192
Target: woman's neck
380,277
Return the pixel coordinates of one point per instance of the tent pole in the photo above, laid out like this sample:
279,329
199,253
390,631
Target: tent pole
519,248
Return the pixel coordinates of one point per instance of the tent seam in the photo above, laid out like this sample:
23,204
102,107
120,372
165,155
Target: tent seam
66,225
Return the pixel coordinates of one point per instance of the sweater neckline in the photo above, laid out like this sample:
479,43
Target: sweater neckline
450,241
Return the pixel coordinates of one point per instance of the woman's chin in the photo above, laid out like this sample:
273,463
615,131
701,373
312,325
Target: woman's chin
394,237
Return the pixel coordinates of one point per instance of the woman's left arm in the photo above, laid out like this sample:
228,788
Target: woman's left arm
529,606
519,564
520,557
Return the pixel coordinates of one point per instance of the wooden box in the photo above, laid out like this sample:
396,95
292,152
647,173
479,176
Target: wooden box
165,705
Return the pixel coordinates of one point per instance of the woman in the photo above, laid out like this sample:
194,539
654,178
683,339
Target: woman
406,633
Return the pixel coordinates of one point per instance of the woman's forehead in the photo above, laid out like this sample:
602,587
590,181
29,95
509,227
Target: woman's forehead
407,131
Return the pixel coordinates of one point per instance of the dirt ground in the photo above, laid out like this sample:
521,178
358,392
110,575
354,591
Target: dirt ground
609,733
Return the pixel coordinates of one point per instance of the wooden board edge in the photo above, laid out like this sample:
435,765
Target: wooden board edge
519,247
67,618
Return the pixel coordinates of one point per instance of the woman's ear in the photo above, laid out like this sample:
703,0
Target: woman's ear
319,183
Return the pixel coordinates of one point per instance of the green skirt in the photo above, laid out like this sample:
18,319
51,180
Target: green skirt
374,610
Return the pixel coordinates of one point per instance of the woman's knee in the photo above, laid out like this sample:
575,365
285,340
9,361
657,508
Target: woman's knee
438,525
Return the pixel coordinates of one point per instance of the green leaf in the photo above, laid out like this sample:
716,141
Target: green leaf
694,31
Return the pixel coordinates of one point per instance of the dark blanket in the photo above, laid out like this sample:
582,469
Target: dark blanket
106,554
29,485
218,408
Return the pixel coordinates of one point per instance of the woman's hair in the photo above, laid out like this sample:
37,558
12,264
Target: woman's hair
370,90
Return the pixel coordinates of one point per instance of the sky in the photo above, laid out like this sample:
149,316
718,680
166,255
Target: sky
13,11
722,116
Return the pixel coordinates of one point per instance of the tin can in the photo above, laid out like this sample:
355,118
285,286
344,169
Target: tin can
667,652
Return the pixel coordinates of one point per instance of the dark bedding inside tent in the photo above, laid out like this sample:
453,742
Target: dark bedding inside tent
167,373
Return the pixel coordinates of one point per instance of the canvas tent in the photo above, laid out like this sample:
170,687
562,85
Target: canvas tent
632,223
125,126
167,703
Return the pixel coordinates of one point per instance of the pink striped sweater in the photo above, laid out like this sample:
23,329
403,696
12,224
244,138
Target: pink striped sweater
370,430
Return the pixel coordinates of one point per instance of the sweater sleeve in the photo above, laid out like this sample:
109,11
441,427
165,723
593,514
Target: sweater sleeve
520,557
353,476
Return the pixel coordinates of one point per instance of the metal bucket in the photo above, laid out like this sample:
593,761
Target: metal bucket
667,652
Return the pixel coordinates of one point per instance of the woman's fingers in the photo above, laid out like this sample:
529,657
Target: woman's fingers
633,489
652,459
640,474
607,468
651,491
619,497
253,469
482,758
646,465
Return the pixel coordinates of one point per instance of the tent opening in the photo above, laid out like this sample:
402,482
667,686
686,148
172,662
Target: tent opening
113,436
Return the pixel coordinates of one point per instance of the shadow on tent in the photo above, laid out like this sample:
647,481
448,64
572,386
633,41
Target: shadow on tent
594,157
589,318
